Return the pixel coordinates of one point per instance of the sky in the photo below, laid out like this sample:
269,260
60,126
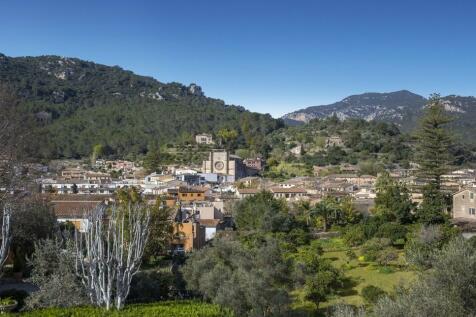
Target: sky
268,56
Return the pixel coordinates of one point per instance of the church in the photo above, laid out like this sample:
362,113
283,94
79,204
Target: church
220,162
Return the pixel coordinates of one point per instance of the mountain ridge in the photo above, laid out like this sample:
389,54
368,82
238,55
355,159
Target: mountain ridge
125,112
401,107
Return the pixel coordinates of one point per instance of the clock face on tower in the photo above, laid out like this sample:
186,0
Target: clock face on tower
219,165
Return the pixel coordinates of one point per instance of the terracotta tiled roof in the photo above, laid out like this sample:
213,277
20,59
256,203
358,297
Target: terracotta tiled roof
209,222
248,190
192,190
78,197
288,190
73,209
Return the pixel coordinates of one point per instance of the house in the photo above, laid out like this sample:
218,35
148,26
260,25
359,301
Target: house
247,192
254,164
191,194
297,150
334,141
359,180
188,236
191,179
336,187
97,176
73,173
210,226
464,204
75,208
250,181
204,138
365,192
292,193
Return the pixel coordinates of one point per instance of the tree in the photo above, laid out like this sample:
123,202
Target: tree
227,137
53,272
393,200
433,142
251,282
327,210
316,275
6,234
109,254
348,213
152,159
446,290
432,209
33,220
161,231
97,151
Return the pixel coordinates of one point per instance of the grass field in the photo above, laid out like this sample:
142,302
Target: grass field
359,274
162,309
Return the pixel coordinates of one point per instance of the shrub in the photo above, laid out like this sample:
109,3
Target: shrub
150,286
386,256
393,231
354,236
372,294
373,247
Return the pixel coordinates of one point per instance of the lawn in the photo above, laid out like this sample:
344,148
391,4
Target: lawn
361,274
162,309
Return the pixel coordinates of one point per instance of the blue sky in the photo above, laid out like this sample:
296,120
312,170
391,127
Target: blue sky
269,56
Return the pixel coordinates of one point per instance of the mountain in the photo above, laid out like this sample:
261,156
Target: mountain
402,108
78,104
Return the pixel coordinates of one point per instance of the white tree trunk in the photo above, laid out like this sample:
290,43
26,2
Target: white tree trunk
109,252
6,234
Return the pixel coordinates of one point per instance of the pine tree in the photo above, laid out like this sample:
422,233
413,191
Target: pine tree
433,142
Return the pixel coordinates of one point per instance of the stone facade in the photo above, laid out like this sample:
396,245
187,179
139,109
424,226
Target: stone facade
221,162
464,204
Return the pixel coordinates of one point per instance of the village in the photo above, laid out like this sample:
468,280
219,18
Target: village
202,196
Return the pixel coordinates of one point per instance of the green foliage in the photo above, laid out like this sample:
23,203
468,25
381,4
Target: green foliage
354,235
53,272
372,294
32,221
432,208
424,243
249,282
393,200
434,142
393,231
263,213
163,309
372,144
446,290
160,232
121,111
373,247
152,285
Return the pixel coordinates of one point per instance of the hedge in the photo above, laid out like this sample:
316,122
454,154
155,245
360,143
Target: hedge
160,309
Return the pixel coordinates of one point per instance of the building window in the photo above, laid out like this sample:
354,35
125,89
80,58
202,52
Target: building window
471,195
472,211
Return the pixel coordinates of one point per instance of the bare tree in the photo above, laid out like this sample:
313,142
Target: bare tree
6,235
109,252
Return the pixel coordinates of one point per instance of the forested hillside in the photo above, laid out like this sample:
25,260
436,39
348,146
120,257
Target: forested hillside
78,104
372,145
402,108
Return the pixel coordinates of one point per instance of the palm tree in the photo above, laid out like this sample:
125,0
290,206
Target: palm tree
326,209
